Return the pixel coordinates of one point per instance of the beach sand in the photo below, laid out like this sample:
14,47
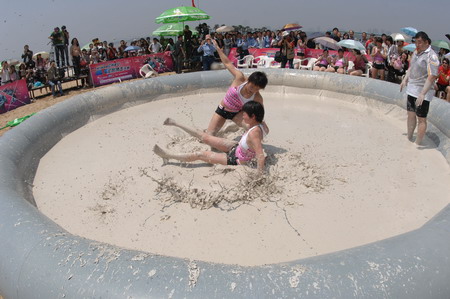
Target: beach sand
341,174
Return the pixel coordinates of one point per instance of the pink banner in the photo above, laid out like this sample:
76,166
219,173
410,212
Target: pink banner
270,52
128,68
13,95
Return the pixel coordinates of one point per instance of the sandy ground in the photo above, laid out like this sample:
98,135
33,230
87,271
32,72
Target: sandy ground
340,175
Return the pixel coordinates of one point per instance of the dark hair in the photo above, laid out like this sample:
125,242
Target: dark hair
335,28
446,60
341,50
259,79
423,36
390,39
254,108
357,52
75,39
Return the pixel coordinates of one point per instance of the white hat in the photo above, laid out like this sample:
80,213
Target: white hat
285,33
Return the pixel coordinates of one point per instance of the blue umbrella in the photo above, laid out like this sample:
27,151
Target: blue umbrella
351,44
410,31
410,47
132,48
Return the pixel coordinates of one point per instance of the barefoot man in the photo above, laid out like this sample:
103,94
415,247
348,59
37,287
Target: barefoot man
233,153
241,91
419,81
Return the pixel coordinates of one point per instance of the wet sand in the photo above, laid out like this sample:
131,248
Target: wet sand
341,174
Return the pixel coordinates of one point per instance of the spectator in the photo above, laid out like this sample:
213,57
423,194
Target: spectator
178,54
187,34
346,36
243,47
27,56
122,47
40,63
443,79
57,38
95,56
364,39
339,64
111,52
379,55
370,43
75,52
287,50
5,73
322,62
13,75
155,46
208,50
54,79
22,71
359,64
351,34
227,44
66,37
335,35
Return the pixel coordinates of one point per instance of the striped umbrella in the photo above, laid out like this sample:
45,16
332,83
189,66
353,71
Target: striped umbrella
291,26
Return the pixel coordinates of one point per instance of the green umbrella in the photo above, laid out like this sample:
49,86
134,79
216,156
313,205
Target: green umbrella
441,44
182,14
171,30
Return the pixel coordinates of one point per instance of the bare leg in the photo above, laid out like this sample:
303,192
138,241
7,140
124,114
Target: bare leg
221,144
215,124
206,156
193,132
421,129
411,123
447,91
330,70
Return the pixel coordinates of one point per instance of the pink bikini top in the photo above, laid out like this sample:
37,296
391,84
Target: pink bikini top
234,100
340,62
243,151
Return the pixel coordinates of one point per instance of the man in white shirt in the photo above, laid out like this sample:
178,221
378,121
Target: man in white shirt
419,81
155,46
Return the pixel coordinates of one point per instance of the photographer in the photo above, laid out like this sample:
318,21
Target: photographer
287,50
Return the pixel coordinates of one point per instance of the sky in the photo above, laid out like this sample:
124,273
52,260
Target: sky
31,22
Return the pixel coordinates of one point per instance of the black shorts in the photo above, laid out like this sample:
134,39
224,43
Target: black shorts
421,111
231,156
322,65
225,114
378,66
441,87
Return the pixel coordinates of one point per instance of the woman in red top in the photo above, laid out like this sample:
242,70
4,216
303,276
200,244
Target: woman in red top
443,79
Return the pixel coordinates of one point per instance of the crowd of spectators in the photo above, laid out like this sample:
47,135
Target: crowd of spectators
389,61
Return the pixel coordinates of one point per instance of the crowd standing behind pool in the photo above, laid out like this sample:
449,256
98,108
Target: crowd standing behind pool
388,58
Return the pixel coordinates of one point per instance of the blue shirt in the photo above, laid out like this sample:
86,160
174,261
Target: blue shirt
252,43
208,50
266,41
243,44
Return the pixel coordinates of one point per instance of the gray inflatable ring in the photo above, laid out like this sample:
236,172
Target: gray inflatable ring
38,259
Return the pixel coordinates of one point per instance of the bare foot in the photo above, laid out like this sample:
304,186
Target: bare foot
169,122
160,152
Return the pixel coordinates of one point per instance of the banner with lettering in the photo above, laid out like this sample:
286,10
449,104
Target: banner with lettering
118,70
13,95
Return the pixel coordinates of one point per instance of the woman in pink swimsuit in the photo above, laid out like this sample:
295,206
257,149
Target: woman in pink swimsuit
322,62
241,91
339,64
233,153
379,54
